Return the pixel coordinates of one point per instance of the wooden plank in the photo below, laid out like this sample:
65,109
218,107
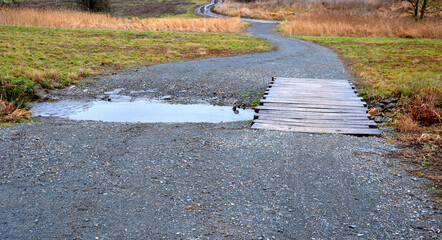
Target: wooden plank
313,105
299,109
360,121
312,85
323,123
309,80
318,115
292,95
316,91
325,126
296,92
352,131
313,102
312,81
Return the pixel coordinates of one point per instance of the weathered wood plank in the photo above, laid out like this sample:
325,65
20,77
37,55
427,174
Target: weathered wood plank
360,121
308,103
314,115
323,124
297,92
299,109
333,96
353,131
312,90
313,105
310,80
312,85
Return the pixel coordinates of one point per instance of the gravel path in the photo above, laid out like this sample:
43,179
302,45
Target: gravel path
62,179
90,180
219,80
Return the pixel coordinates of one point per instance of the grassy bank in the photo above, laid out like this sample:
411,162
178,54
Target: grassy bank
54,57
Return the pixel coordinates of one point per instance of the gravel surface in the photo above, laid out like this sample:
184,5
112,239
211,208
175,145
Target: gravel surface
91,180
219,80
62,179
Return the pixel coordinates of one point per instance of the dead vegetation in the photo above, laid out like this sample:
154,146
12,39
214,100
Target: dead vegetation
343,25
10,113
342,18
76,19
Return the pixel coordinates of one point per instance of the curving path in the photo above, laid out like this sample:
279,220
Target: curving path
206,10
224,80
63,179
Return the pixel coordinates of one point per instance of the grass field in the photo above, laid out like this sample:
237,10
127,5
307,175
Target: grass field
131,8
54,57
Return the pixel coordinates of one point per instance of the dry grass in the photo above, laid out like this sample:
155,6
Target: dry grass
424,111
10,113
346,25
407,124
341,18
288,9
75,19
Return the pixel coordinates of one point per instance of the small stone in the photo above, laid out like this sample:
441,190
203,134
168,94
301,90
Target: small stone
166,97
352,226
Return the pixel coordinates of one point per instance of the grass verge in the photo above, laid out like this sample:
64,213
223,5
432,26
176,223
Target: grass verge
54,57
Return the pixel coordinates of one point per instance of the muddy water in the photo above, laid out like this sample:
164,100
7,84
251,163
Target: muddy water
140,111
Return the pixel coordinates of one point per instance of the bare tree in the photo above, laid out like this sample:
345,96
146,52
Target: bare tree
419,6
95,5
9,2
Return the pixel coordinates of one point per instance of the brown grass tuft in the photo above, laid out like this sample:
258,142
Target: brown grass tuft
84,72
407,124
425,112
75,19
10,113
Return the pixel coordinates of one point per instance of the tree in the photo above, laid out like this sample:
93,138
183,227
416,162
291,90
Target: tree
419,6
9,2
95,5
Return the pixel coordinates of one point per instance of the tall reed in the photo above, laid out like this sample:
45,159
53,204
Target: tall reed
347,25
76,19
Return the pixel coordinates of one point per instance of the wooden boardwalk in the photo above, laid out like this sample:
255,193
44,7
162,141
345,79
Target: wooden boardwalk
314,106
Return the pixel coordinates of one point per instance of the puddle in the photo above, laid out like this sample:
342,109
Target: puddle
140,111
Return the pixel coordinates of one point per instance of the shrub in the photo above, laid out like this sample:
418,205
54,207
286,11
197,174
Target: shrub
96,5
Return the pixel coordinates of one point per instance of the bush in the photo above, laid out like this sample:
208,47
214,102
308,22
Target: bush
96,5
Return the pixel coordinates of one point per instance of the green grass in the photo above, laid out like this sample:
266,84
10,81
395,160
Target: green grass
56,57
191,10
391,67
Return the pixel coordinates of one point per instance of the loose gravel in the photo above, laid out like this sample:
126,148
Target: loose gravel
64,179
87,180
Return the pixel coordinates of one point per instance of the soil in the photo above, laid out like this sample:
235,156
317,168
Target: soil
124,8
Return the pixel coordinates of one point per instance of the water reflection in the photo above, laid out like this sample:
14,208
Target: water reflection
140,111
